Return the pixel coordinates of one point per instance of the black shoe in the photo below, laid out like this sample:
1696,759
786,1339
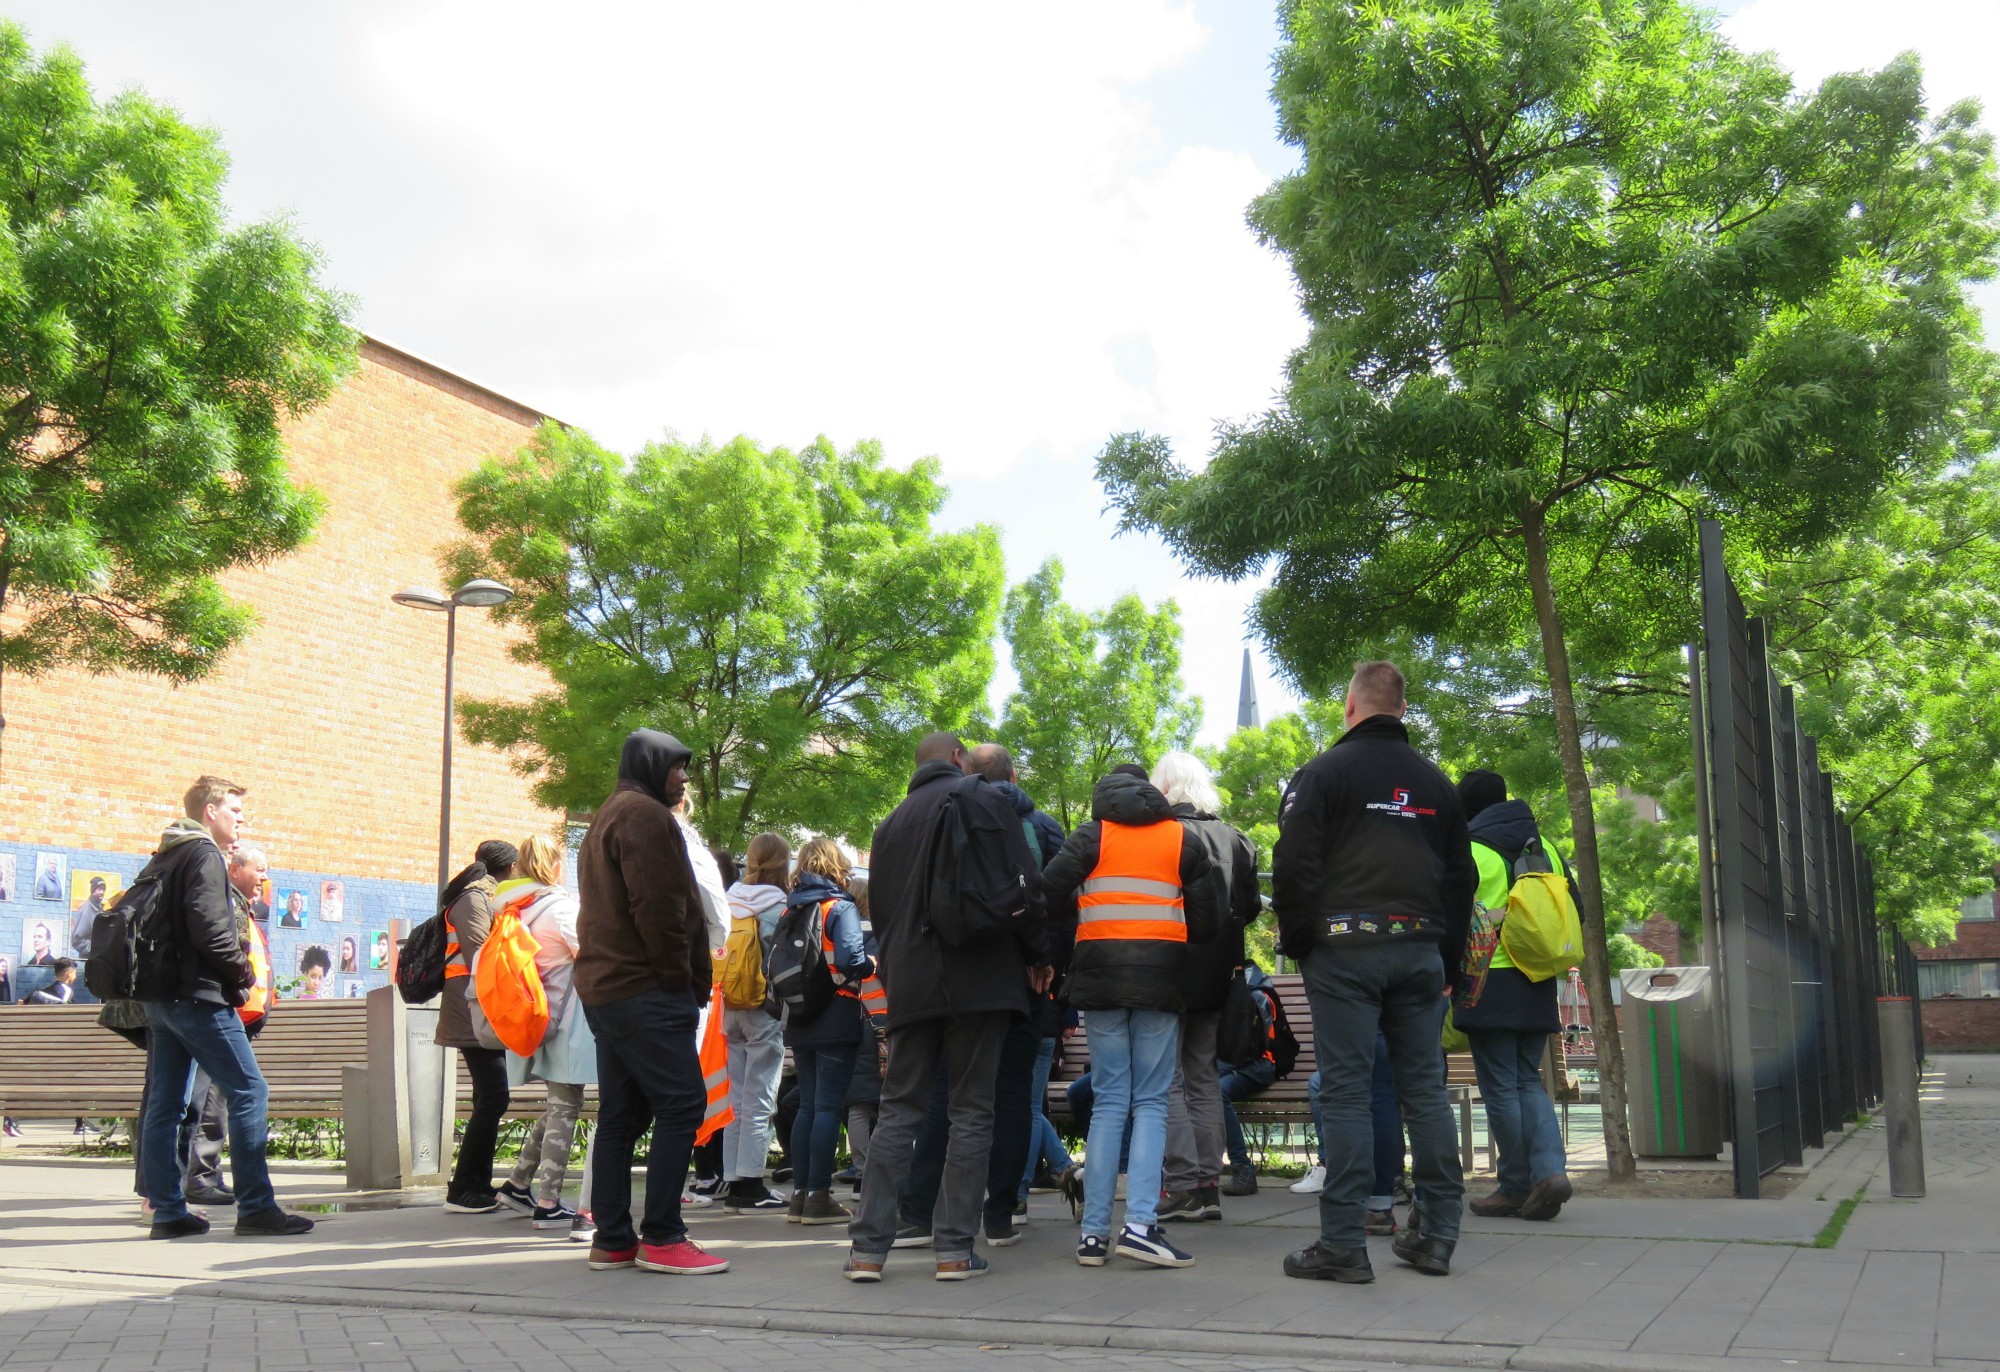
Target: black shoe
519,1199
1043,1182
1211,1200
752,1197
186,1227
1320,1263
781,1173
210,1195
707,1186
1003,1234
272,1224
911,1236
1432,1257
1242,1181
1180,1205
478,1203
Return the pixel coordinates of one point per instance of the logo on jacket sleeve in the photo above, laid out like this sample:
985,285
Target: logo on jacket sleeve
1399,804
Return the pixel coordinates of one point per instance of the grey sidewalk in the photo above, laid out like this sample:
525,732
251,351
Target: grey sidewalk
1614,1284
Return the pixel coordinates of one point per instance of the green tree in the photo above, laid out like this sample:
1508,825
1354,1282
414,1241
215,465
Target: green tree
792,617
1097,688
1578,274
148,356
1253,766
1626,951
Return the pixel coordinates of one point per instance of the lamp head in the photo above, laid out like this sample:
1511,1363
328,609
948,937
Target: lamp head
417,598
482,594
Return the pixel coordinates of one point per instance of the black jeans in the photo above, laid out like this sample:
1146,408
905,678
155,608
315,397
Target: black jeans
1013,1087
473,1176
1400,988
971,1044
648,1072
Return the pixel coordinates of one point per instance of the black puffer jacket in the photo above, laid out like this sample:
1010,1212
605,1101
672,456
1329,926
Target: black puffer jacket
1206,966
925,979
1132,974
1049,839
203,957
1510,1001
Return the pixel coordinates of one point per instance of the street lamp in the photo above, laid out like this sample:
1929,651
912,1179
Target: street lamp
478,595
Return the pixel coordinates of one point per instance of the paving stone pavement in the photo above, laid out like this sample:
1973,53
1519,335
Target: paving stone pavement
1695,1286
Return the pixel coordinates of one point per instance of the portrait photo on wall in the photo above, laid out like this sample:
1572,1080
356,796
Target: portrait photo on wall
332,901
350,954
353,988
315,966
10,873
41,942
50,869
90,894
378,950
6,980
294,910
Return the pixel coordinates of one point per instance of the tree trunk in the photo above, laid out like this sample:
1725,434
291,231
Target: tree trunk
1589,878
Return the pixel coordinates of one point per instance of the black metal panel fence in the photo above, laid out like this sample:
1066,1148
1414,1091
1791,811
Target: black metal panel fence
1800,955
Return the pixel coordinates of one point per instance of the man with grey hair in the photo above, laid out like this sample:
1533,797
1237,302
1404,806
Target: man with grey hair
205,1124
1373,880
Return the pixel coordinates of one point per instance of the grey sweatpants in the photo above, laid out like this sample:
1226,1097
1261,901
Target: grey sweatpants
1194,1108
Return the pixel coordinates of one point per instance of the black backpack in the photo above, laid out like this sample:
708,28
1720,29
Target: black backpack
1239,1033
1284,1044
129,937
796,978
971,890
420,963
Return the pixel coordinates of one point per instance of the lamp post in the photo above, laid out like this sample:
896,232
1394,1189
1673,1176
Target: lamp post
479,595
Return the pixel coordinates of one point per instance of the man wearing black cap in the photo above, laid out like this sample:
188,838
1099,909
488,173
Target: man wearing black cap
643,974
1372,879
1509,1025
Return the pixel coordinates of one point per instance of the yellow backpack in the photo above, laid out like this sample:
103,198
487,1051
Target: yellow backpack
1542,934
743,985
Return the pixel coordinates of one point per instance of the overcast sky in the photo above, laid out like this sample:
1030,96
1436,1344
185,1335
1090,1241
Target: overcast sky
995,234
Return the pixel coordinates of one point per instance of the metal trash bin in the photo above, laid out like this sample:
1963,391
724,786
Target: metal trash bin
1673,1057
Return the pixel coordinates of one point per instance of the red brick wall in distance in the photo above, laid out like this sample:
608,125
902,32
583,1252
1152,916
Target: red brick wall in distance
331,711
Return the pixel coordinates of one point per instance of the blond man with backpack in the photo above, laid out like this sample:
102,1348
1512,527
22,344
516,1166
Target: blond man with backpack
566,1058
755,1036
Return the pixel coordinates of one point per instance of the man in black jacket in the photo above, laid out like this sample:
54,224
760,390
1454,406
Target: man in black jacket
1373,880
946,1002
191,993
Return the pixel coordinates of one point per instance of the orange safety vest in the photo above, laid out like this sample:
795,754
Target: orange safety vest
258,1003
874,996
714,1055
454,964
1134,892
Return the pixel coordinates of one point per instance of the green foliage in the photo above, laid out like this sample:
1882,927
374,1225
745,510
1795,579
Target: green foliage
1253,766
1577,275
1097,688
792,617
148,356
1624,951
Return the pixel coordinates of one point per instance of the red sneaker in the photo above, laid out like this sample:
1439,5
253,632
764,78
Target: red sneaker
684,1259
605,1259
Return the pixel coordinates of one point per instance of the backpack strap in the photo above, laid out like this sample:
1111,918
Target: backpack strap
1534,858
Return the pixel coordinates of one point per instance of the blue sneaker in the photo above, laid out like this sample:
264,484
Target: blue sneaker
1149,1245
1092,1252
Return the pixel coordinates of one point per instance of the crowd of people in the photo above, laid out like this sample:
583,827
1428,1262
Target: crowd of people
923,1003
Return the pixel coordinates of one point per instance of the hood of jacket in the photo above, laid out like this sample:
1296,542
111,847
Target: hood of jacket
1016,797
183,831
758,900
1506,827
1128,800
647,759
811,888
931,771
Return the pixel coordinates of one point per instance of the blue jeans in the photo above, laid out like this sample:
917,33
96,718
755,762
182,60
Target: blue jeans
648,1072
1241,1083
1527,1141
184,1034
1045,1145
823,1076
1394,990
1388,1121
1132,1057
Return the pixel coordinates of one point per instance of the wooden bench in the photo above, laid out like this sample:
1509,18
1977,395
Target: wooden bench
57,1062
1285,1102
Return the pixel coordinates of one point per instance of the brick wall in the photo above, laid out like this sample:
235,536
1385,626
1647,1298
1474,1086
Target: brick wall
331,711
1660,935
1961,1026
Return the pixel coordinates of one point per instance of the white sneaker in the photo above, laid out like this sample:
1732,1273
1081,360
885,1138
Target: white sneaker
691,1200
1312,1183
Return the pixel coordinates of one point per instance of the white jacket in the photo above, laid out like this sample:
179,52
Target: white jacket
708,877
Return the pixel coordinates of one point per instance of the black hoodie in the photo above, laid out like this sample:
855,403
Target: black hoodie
1131,974
639,920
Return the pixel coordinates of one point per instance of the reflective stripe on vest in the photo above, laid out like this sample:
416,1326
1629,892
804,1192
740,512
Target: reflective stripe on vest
258,1002
713,1052
454,963
1134,892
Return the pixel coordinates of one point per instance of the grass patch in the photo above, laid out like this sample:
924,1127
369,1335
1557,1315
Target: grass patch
1829,1235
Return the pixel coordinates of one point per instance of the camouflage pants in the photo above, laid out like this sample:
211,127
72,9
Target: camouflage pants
545,1155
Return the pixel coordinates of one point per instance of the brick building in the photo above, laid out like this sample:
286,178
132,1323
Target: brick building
330,711
1958,983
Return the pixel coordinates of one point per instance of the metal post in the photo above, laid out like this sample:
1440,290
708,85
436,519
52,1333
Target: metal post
444,798
1900,1108
1711,943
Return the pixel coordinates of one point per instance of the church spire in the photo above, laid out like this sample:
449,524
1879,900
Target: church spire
1246,697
